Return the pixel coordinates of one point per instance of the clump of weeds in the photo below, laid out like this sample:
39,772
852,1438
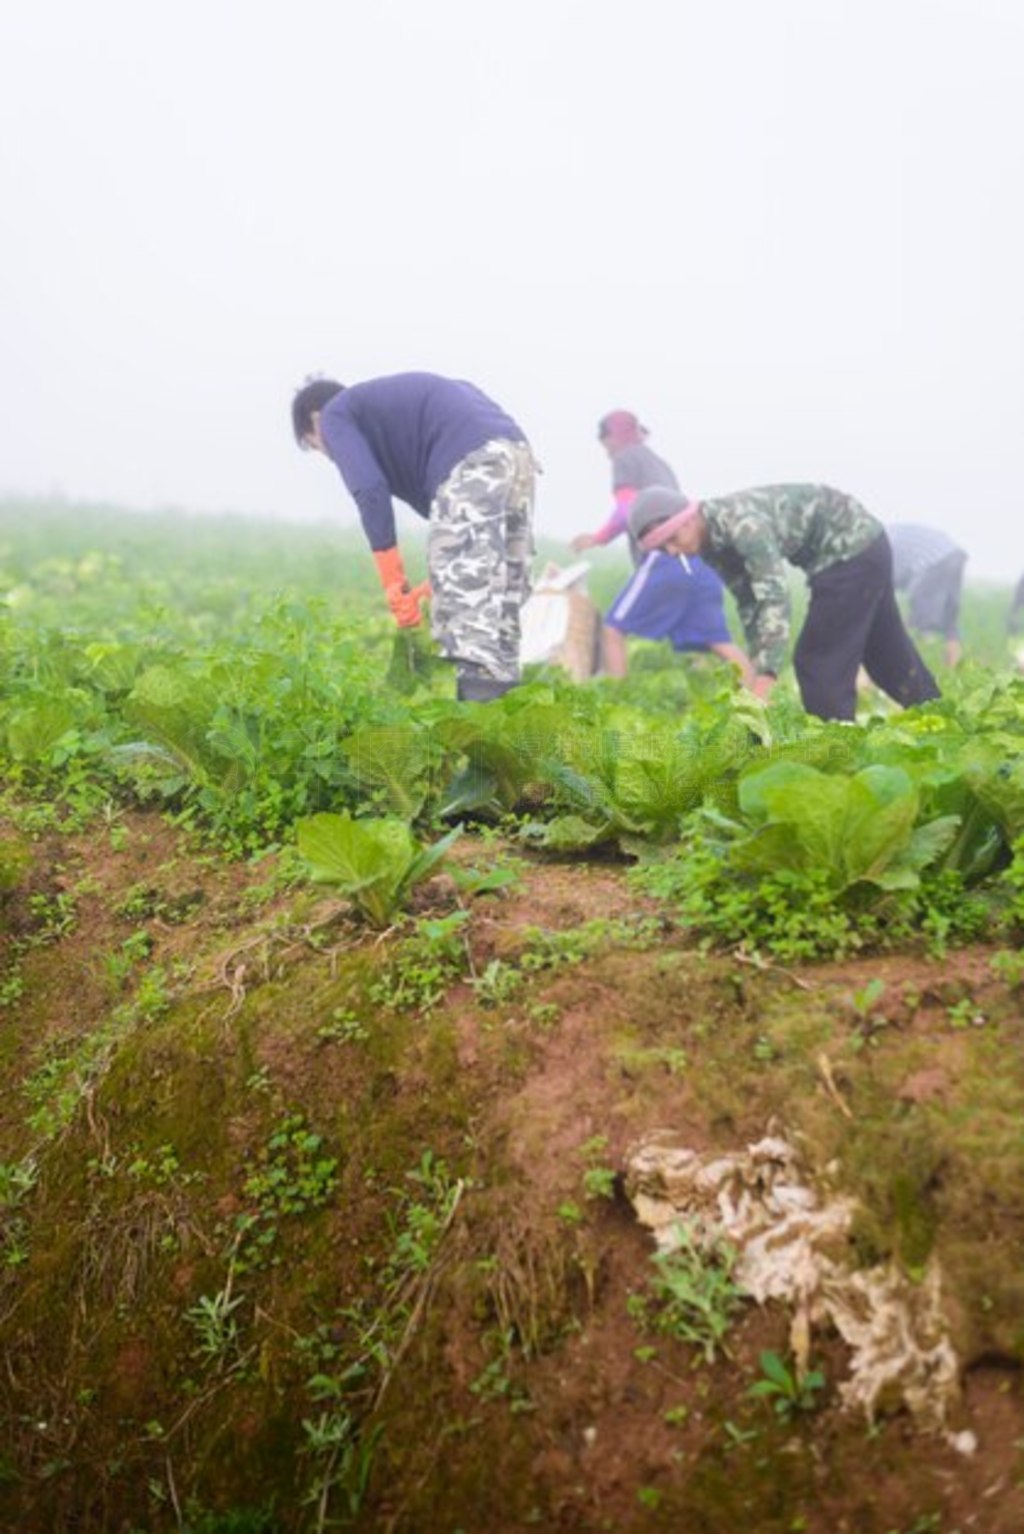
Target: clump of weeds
694,1296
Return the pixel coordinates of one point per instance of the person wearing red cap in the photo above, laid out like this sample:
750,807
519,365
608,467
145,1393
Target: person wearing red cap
852,619
664,598
634,467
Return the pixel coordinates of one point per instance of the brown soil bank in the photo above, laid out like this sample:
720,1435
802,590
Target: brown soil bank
307,1228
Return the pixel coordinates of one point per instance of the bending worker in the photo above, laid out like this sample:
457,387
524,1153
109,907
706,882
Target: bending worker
852,619
462,463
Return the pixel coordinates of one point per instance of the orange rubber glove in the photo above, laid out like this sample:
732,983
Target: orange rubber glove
406,605
403,601
390,567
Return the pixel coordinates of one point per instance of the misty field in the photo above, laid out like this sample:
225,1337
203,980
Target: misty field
600,1109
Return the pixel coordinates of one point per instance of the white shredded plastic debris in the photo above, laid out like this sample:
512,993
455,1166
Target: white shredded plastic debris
792,1246
559,623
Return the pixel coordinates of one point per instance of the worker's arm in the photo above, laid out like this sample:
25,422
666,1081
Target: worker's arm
615,525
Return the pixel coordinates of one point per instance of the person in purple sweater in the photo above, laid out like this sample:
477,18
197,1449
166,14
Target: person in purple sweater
458,460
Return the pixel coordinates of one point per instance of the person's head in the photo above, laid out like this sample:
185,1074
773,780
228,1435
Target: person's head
619,429
307,403
668,520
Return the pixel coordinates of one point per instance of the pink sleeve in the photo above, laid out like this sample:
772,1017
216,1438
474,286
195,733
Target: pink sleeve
619,519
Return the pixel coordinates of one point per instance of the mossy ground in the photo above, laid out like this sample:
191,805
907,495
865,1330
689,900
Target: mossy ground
295,1258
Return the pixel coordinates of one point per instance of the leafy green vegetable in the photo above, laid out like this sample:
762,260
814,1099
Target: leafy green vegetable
34,731
375,862
506,749
398,760
857,828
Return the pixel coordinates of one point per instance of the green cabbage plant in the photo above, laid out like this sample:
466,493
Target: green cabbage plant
376,863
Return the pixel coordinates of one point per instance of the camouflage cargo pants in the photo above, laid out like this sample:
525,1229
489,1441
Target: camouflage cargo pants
479,549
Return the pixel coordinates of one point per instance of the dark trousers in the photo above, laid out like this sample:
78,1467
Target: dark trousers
853,620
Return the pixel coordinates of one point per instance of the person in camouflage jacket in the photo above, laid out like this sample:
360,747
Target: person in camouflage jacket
853,618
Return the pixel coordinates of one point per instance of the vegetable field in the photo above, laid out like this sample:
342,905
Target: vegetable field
599,1109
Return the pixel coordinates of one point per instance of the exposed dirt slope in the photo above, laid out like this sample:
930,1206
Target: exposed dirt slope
306,1227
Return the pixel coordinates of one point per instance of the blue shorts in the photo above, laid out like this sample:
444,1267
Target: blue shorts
663,601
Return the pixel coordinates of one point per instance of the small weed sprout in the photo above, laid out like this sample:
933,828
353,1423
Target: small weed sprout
598,1180
119,964
213,1320
118,836
17,1179
343,1028
543,1013
139,903
161,1167
911,998
863,1000
965,1014
789,1390
1008,966
14,1244
485,881
494,1382
152,999
739,1436
924,1523
12,988
500,982
870,1018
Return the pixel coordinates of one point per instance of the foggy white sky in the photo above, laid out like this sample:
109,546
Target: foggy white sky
788,233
